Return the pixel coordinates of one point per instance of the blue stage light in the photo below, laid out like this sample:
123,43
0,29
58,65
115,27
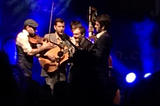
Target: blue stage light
147,75
130,77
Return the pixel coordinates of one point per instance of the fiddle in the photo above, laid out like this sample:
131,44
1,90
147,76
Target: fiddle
36,39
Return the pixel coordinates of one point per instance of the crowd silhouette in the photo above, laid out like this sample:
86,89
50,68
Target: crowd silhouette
85,88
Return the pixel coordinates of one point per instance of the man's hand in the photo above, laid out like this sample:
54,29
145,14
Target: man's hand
91,28
47,45
50,56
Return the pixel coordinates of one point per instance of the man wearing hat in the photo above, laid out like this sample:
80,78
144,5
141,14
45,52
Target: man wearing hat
25,51
25,54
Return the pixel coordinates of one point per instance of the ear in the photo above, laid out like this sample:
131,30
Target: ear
103,28
54,27
27,27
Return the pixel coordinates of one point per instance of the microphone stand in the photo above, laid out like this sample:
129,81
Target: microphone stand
65,37
60,54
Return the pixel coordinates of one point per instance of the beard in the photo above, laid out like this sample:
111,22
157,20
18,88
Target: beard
32,34
77,40
60,32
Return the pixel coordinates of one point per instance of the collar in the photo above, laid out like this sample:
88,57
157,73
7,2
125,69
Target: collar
25,32
100,34
57,37
81,42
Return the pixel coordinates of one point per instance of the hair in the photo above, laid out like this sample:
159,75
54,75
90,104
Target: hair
75,24
104,20
24,27
82,30
58,20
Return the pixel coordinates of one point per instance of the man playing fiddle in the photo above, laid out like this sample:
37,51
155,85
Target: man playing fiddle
25,54
24,49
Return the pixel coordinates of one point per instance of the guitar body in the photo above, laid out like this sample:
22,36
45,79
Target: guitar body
51,66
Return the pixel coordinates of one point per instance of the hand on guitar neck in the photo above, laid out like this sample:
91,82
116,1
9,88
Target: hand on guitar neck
91,30
92,35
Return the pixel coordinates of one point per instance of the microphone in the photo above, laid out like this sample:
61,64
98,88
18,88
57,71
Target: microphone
63,36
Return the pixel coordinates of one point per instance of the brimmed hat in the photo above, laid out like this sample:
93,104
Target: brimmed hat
31,23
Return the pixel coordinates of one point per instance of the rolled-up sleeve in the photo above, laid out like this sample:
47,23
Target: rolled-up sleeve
22,41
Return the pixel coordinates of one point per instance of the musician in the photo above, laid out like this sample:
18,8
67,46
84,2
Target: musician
25,54
79,38
24,48
102,46
56,37
101,52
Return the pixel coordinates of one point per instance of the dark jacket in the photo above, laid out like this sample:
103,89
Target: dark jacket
101,51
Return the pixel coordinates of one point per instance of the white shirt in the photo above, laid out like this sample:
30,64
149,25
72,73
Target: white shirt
23,41
100,34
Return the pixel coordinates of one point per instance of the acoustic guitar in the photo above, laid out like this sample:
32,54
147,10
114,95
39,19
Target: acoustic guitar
60,55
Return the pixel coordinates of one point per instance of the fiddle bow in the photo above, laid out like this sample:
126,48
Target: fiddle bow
59,52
